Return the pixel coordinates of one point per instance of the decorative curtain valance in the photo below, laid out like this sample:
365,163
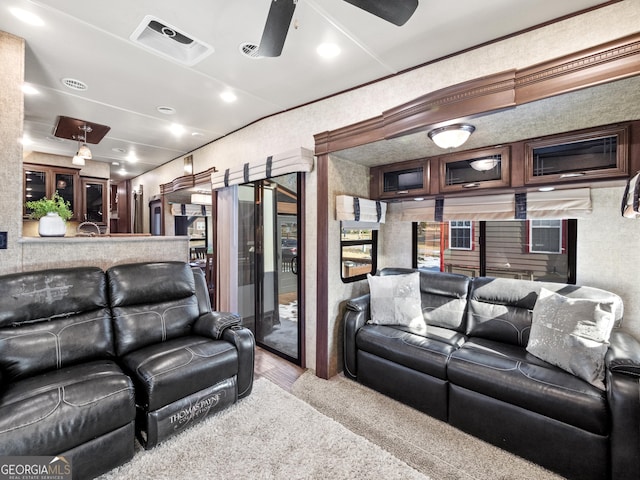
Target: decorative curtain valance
190,210
480,207
297,160
558,204
418,211
355,211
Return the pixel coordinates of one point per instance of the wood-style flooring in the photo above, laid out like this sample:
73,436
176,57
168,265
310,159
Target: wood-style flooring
276,369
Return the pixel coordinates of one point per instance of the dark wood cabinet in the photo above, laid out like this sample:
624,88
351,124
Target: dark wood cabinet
95,203
474,169
404,179
579,156
42,181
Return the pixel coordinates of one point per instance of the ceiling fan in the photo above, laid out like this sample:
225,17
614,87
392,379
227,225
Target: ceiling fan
281,13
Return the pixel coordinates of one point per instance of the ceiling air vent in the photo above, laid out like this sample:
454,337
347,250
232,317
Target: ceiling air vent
160,37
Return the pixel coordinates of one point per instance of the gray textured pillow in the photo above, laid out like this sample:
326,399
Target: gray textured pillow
395,300
572,333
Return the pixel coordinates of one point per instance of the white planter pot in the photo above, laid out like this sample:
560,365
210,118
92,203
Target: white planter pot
51,225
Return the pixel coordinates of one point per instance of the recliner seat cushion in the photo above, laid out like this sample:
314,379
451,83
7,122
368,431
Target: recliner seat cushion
50,413
510,374
167,371
427,354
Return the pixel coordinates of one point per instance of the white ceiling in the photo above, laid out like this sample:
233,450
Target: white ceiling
90,41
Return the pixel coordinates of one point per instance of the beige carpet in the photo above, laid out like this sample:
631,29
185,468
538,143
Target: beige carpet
269,435
430,446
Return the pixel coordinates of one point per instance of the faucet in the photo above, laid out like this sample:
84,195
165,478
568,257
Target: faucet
82,231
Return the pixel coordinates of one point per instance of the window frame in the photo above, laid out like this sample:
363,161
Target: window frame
561,237
374,254
470,232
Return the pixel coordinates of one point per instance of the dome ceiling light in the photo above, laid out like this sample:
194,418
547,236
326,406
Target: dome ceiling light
451,136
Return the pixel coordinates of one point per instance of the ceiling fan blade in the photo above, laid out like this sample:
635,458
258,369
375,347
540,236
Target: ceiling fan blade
394,11
276,27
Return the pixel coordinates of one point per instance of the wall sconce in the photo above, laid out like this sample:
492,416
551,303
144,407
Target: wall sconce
451,136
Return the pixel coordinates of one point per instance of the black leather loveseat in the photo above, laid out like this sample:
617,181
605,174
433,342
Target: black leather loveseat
466,363
89,359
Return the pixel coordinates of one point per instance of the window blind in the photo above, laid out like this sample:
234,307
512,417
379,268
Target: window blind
297,160
418,211
571,203
355,211
480,207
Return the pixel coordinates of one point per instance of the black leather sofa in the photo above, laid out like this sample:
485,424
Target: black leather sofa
89,359
470,367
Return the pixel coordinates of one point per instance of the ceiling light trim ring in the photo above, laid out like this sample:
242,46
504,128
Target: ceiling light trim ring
451,136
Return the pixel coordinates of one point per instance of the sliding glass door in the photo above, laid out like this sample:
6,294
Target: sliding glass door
268,263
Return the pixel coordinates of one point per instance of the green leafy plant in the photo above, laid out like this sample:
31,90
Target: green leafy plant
56,204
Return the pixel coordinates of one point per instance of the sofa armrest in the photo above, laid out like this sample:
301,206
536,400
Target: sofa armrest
355,316
245,343
623,355
213,324
623,395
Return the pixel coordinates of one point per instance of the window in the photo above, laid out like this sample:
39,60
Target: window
546,236
461,235
358,252
542,250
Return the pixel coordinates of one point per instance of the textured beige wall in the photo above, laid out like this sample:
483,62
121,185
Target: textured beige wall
91,168
103,252
345,178
11,119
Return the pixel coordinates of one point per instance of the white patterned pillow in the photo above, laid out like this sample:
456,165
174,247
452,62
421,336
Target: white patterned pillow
572,333
395,300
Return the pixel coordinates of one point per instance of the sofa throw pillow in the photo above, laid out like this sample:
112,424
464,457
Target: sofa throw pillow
395,300
572,333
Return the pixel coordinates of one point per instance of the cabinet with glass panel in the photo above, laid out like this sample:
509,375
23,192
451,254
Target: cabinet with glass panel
578,156
475,169
42,181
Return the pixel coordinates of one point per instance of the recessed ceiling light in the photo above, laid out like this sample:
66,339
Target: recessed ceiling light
115,164
197,134
176,129
228,96
75,84
29,90
328,50
27,17
546,189
166,110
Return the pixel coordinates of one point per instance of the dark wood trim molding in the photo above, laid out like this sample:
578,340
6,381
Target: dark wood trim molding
186,181
603,63
480,95
322,274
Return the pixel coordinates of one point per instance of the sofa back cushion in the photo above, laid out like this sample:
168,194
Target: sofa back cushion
444,297
151,303
501,309
50,319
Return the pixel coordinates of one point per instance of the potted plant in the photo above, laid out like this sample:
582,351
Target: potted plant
52,214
